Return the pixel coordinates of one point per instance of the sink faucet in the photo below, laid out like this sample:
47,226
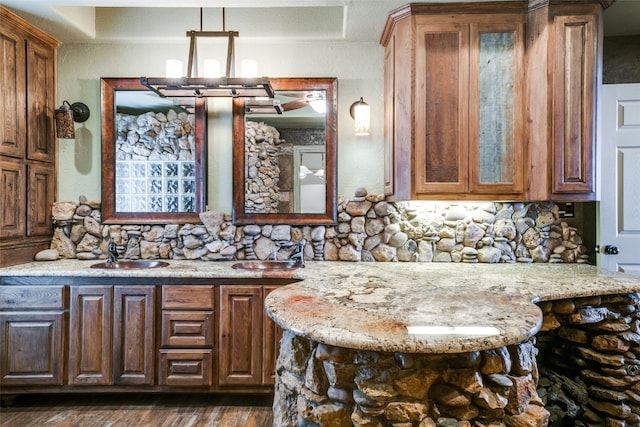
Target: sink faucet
298,253
112,256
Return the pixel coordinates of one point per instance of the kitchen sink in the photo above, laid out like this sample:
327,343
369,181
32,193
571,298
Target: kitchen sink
130,265
267,265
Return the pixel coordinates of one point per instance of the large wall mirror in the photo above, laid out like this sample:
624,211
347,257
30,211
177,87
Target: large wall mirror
153,152
284,165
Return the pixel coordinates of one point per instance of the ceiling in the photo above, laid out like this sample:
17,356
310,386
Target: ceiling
85,21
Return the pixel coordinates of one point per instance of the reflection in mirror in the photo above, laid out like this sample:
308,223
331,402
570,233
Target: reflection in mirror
153,151
284,164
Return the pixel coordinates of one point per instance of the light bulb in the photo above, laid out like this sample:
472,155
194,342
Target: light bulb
249,68
174,68
212,68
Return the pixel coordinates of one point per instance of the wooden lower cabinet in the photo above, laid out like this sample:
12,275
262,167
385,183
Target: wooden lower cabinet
187,336
32,335
112,337
31,345
249,339
133,335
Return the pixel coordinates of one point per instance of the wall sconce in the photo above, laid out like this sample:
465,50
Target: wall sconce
66,115
361,113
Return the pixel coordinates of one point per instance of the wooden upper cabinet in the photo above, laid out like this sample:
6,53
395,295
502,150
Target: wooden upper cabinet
41,101
454,101
13,115
574,95
563,73
492,101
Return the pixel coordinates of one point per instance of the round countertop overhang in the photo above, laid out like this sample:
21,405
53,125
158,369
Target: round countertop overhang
392,307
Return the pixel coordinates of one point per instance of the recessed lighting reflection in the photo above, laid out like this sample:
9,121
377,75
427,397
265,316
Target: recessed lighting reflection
453,330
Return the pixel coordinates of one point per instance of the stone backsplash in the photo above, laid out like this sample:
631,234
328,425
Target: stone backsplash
369,228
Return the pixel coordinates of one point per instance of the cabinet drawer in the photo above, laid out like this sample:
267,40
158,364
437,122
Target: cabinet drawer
187,329
188,297
33,297
185,367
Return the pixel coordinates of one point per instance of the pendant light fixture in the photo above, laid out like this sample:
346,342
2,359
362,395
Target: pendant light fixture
225,86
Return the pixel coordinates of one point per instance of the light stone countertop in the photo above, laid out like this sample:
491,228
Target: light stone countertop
385,306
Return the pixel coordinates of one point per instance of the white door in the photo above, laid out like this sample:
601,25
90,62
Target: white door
620,179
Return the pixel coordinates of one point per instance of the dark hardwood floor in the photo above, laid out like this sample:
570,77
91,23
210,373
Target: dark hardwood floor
145,410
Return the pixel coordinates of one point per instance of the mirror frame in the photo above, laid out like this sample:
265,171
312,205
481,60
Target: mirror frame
329,217
108,88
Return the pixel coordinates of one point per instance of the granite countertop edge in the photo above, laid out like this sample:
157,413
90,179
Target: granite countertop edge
392,307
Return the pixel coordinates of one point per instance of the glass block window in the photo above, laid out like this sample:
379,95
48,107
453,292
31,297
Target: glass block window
161,186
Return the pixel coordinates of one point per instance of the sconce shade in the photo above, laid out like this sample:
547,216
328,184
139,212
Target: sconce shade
64,122
66,115
361,113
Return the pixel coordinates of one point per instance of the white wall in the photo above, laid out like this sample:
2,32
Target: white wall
358,67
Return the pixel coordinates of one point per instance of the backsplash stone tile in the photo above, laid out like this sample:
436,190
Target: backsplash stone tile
369,229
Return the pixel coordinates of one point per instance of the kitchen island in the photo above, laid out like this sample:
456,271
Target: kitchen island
411,343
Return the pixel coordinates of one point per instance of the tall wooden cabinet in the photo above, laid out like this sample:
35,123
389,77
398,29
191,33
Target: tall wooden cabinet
563,124
492,100
27,139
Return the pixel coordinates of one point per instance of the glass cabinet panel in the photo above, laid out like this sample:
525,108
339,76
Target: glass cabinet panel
496,132
495,128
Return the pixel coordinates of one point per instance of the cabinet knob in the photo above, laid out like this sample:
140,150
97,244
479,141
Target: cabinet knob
611,250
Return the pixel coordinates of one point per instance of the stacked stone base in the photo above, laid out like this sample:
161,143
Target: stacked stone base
321,385
591,357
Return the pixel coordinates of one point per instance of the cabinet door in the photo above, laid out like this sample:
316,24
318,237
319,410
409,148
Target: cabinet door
441,108
13,206
496,132
31,348
240,335
271,336
574,91
12,101
90,325
40,197
133,335
40,101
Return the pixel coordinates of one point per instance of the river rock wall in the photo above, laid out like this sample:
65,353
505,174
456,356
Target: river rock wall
369,229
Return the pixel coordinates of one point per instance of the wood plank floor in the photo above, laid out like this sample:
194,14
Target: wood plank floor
144,410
